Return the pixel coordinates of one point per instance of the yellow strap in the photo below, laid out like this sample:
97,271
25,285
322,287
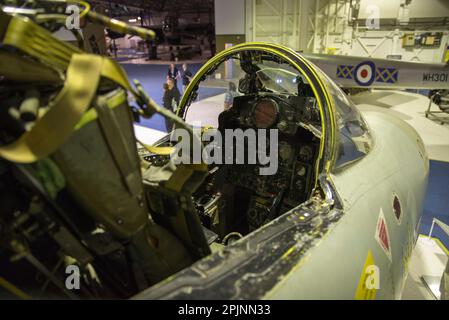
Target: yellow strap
114,72
120,26
179,178
182,175
162,151
20,68
13,289
32,39
58,123
56,126
166,151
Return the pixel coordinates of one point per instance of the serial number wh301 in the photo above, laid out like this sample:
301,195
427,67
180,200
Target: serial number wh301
436,77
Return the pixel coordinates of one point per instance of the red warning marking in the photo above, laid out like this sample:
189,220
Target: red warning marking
382,236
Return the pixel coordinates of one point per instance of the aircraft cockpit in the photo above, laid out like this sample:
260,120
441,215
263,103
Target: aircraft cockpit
268,142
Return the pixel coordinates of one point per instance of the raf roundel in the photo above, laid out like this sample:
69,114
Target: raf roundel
364,73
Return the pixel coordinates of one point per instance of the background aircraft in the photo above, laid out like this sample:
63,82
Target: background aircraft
362,72
185,33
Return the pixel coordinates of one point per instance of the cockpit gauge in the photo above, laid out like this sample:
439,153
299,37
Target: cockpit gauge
265,113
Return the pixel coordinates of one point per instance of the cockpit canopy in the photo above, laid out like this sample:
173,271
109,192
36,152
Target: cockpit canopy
252,69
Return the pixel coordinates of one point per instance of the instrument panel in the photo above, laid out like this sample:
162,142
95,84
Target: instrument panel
271,195
236,197
271,111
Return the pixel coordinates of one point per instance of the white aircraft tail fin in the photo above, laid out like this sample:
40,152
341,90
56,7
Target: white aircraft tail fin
365,72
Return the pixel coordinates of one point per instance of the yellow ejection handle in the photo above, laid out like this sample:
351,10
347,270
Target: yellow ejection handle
120,26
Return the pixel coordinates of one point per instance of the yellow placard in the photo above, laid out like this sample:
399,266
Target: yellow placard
364,293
